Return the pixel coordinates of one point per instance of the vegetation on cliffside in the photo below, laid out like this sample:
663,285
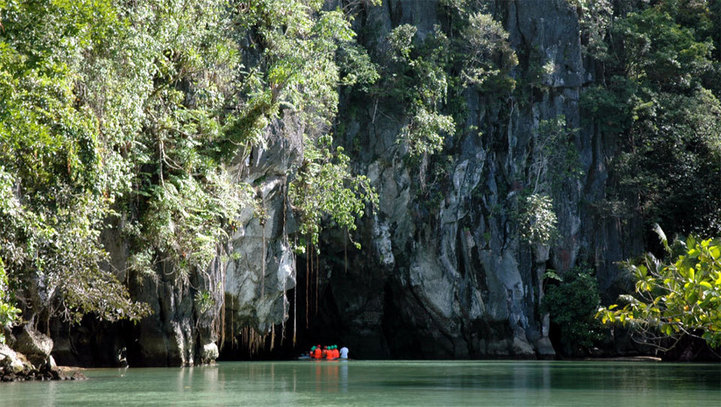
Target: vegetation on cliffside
138,117
8,312
135,116
657,94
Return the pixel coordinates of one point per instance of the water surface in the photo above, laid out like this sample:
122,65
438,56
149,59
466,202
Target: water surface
389,383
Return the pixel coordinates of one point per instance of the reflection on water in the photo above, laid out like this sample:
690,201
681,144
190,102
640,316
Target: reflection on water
313,383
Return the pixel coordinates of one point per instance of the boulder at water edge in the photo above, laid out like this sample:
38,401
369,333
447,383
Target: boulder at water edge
34,345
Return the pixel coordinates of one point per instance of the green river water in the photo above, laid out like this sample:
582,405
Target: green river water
391,383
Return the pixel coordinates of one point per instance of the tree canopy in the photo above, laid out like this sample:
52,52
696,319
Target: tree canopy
133,115
657,95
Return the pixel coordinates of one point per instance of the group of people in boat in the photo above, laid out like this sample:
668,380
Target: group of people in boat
330,352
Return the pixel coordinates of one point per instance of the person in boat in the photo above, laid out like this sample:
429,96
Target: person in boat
332,353
343,353
317,352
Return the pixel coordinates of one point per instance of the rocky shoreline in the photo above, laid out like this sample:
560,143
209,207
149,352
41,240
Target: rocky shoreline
26,356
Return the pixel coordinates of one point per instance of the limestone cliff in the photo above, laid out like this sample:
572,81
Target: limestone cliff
443,272
247,282
455,280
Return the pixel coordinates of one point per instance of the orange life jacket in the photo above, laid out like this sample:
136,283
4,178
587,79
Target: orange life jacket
316,353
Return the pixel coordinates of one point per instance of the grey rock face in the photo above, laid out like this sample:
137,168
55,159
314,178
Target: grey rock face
30,359
262,265
12,362
247,280
442,279
254,272
14,366
209,354
454,279
166,337
35,345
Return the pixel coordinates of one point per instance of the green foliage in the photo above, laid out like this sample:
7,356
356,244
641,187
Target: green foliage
55,180
488,55
610,106
133,113
656,97
38,102
555,156
183,218
427,76
423,134
571,304
537,219
657,100
55,255
678,296
400,43
661,52
324,186
301,76
714,10
9,314
353,7
356,67
554,163
297,68
204,301
594,17
676,144
418,79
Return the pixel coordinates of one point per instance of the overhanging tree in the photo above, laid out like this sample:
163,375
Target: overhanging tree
674,297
